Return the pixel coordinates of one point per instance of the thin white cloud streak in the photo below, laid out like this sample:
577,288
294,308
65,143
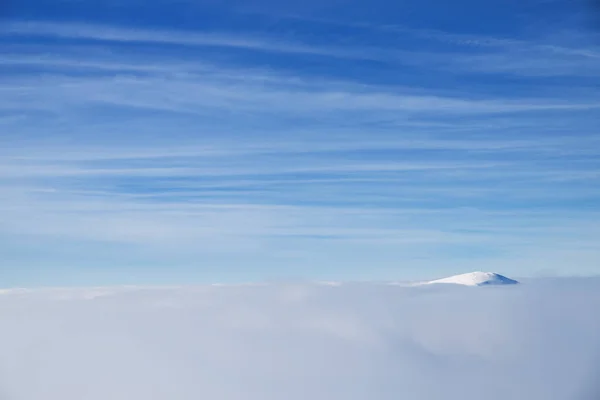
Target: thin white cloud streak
535,57
122,218
284,240
65,200
494,55
398,187
83,62
259,167
525,63
561,43
387,190
299,143
113,33
535,45
117,34
195,96
196,88
25,171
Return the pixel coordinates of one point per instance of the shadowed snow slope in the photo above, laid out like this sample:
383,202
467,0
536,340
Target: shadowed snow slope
295,342
477,279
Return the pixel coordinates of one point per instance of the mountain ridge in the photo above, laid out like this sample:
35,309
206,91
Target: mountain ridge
477,278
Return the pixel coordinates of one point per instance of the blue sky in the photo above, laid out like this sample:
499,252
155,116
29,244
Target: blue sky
238,141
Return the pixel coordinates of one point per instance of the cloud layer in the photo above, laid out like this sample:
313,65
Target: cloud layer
536,341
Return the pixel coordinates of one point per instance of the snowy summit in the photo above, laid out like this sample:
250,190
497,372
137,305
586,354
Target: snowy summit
477,279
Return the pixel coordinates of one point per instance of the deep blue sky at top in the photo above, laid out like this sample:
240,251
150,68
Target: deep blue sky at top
196,141
465,16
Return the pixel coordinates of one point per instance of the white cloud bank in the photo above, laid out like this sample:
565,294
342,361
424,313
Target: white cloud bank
537,341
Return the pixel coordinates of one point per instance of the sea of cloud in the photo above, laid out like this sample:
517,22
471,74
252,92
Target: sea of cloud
536,341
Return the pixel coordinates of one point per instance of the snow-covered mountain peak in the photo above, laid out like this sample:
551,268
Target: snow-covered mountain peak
477,279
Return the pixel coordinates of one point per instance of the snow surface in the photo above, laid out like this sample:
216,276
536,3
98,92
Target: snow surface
477,279
301,341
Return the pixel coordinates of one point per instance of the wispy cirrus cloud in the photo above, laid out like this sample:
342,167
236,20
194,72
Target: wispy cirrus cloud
226,147
457,53
209,39
195,94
